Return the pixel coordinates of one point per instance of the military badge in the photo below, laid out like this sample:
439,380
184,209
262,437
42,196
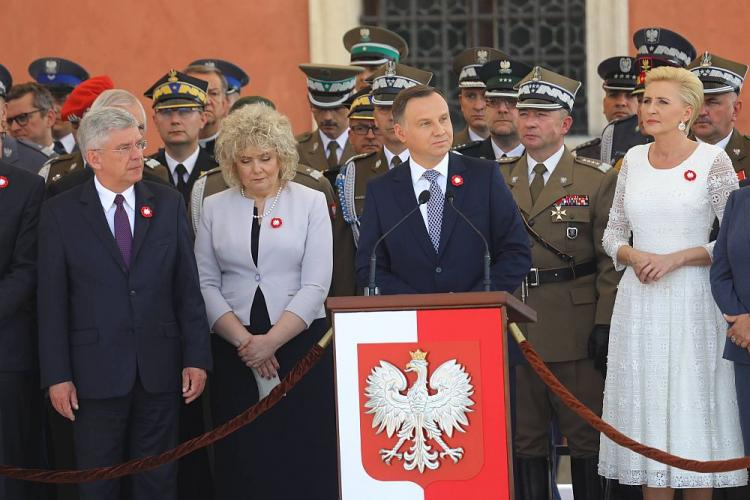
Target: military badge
573,200
626,64
690,175
457,180
652,35
706,61
504,67
276,222
50,67
147,211
377,163
4,183
736,151
571,232
558,213
364,34
482,56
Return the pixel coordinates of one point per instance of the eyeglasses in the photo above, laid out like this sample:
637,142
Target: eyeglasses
23,118
495,102
365,129
127,148
182,112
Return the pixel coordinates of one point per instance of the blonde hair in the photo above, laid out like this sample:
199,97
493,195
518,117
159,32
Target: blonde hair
690,87
256,127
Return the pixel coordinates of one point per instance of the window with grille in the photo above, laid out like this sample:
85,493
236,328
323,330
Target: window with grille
551,33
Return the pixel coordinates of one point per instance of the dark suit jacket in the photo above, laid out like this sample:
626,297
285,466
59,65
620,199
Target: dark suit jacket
100,324
203,164
407,261
730,271
19,205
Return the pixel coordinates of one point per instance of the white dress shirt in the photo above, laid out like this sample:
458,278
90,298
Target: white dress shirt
550,163
473,136
420,183
189,164
517,151
404,155
722,143
340,140
107,199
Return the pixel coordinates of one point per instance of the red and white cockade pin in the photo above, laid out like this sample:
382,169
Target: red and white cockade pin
4,182
276,222
690,175
147,212
457,180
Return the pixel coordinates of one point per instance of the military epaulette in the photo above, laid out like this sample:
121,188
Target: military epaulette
508,159
592,142
151,163
210,172
360,156
304,137
600,166
465,146
310,172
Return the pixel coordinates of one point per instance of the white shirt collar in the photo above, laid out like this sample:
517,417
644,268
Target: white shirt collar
404,155
107,197
517,151
340,140
473,136
68,142
550,162
418,170
722,143
189,162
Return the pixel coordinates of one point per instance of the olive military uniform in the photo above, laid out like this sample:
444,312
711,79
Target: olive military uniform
461,137
311,151
56,168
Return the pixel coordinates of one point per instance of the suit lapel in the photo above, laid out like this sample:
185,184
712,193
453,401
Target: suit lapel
161,157
315,151
348,152
143,197
94,214
403,191
553,189
455,167
519,181
203,164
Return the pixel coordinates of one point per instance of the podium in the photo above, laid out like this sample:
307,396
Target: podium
422,397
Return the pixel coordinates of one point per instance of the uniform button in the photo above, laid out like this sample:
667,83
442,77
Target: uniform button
257,277
131,293
438,269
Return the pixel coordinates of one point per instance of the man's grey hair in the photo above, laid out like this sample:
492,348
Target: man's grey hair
118,98
97,124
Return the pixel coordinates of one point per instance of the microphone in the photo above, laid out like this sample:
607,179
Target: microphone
371,289
487,258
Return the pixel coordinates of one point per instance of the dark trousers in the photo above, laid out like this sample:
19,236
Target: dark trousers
110,431
20,429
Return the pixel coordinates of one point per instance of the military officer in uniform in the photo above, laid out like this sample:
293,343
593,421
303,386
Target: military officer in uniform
329,87
655,47
500,78
364,134
722,82
217,103
236,78
371,47
565,203
60,76
351,184
618,76
471,93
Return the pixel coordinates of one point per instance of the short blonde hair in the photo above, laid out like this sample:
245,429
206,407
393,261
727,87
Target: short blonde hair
257,127
690,87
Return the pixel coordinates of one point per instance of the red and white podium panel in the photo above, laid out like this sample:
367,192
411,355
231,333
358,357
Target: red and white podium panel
422,399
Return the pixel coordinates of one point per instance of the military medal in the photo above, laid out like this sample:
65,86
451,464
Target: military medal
573,200
276,222
457,180
3,182
147,212
690,175
558,212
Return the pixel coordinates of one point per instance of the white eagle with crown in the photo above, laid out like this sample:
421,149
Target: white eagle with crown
419,416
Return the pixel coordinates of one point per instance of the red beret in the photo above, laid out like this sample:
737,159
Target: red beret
83,96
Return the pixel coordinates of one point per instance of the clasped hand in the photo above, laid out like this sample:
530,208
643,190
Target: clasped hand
258,351
651,267
739,332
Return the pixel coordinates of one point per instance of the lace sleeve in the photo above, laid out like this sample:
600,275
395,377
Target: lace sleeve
722,180
617,233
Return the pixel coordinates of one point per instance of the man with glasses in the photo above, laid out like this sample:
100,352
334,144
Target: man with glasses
328,89
499,77
18,153
364,133
471,93
123,337
31,115
217,105
179,114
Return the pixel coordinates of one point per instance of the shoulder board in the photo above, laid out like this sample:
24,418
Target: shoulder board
358,157
304,137
508,159
466,145
214,170
592,142
151,163
598,165
310,172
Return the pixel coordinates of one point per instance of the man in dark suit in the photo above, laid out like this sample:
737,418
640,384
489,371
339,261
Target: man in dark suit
179,115
447,256
20,409
124,329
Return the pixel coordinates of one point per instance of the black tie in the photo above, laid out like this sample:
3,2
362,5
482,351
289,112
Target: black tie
182,186
59,148
395,161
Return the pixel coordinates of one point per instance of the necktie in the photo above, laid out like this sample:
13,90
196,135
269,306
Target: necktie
538,183
395,162
59,148
434,207
333,157
181,184
123,236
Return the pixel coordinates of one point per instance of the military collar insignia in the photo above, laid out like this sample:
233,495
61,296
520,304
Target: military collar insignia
563,180
377,163
514,179
736,151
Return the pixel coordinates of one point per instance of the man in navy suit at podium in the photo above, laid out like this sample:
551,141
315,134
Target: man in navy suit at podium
434,250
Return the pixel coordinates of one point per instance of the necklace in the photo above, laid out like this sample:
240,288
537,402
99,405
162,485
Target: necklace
273,204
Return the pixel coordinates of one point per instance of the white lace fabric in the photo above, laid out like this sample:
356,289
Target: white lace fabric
667,385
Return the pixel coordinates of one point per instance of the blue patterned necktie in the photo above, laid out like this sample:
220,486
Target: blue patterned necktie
434,207
123,236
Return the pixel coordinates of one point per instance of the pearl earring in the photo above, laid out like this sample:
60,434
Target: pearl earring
681,127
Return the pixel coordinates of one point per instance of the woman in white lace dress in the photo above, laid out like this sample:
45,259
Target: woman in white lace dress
667,385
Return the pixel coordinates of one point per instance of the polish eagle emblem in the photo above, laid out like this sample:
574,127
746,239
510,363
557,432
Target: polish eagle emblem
419,416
